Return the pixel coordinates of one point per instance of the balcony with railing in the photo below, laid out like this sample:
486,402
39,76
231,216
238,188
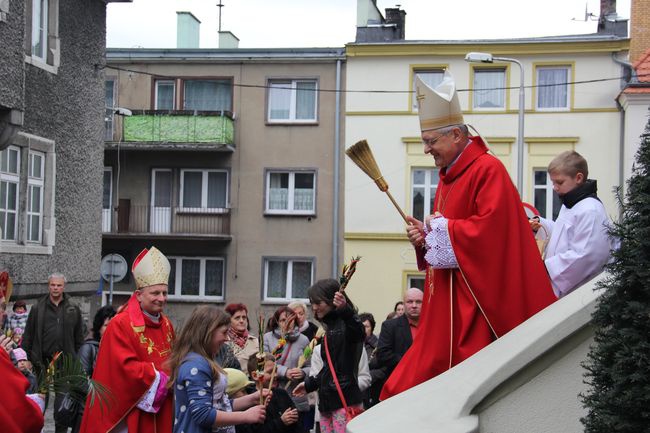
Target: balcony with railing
171,130
168,222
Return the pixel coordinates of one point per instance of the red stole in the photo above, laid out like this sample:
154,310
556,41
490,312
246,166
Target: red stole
125,365
18,414
501,280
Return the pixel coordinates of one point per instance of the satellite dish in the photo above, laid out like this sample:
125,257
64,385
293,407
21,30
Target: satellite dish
113,267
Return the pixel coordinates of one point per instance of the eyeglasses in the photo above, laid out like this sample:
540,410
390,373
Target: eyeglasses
431,141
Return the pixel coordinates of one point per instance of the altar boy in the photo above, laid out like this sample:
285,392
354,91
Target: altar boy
579,244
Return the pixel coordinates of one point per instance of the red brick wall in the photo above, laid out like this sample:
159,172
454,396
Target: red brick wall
639,28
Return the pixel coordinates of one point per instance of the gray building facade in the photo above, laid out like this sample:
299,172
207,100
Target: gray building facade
51,142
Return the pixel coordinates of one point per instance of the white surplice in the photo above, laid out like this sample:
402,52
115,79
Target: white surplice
579,245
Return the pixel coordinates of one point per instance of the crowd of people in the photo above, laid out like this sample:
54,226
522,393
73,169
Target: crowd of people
215,368
484,276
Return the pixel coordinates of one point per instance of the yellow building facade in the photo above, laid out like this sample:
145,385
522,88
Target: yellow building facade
571,85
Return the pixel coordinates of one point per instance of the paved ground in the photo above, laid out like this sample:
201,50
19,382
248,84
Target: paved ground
49,421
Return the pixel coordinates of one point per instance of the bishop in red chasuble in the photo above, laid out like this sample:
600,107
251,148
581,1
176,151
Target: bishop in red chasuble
131,358
484,273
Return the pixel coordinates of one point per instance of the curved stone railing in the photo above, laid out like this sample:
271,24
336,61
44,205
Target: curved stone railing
448,403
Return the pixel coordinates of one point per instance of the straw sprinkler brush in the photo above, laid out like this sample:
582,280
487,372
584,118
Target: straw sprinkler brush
361,155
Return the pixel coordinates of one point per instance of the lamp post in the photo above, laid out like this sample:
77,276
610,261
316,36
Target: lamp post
488,58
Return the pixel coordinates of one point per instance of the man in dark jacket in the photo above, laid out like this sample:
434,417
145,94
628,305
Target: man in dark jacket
54,325
397,334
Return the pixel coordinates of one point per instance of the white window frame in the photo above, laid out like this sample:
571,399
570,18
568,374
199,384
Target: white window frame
288,284
10,177
204,192
428,172
4,10
567,104
107,213
416,72
183,105
26,143
411,277
48,56
291,193
550,193
477,72
109,119
165,82
35,180
175,287
40,28
291,85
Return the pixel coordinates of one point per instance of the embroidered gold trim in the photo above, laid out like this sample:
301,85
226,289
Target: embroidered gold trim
440,122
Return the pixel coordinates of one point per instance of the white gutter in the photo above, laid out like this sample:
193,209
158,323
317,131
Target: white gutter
337,169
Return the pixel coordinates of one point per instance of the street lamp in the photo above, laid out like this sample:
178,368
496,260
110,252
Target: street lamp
488,58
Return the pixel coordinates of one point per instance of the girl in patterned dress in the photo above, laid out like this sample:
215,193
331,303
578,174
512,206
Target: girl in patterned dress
199,383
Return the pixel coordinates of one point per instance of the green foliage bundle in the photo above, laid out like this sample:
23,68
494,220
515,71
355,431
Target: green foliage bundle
65,374
618,364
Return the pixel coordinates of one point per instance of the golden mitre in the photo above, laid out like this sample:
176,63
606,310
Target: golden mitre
438,107
151,267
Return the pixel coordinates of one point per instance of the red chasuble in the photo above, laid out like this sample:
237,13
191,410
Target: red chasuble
130,349
500,282
18,414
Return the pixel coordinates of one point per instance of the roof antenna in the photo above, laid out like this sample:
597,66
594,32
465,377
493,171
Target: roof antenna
220,5
588,16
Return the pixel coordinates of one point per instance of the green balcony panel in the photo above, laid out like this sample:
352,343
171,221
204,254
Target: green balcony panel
167,128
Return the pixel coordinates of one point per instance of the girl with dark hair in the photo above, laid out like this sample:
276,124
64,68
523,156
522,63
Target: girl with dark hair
199,383
342,346
242,343
88,350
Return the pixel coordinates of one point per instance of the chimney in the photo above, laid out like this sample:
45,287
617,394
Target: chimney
398,17
187,30
608,20
228,40
372,27
367,13
640,29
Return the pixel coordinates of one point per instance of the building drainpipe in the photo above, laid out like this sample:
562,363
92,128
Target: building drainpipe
621,149
337,168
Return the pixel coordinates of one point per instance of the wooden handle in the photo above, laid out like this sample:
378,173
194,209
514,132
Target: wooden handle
399,209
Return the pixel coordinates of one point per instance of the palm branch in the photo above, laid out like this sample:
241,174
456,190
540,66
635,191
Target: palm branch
348,271
65,374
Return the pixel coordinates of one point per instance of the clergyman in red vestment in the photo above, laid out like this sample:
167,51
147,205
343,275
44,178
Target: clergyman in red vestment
484,273
132,355
19,413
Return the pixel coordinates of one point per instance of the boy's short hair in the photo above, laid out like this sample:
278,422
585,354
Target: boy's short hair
569,163
251,366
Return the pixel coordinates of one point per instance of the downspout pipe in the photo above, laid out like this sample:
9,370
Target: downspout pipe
633,77
621,146
337,169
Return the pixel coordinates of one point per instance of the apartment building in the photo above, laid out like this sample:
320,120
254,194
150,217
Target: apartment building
228,163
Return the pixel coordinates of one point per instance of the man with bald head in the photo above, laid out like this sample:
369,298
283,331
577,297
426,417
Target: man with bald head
397,334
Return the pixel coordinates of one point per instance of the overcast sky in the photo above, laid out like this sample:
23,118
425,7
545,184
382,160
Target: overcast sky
332,23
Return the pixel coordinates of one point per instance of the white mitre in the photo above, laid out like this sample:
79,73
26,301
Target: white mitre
438,107
151,267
